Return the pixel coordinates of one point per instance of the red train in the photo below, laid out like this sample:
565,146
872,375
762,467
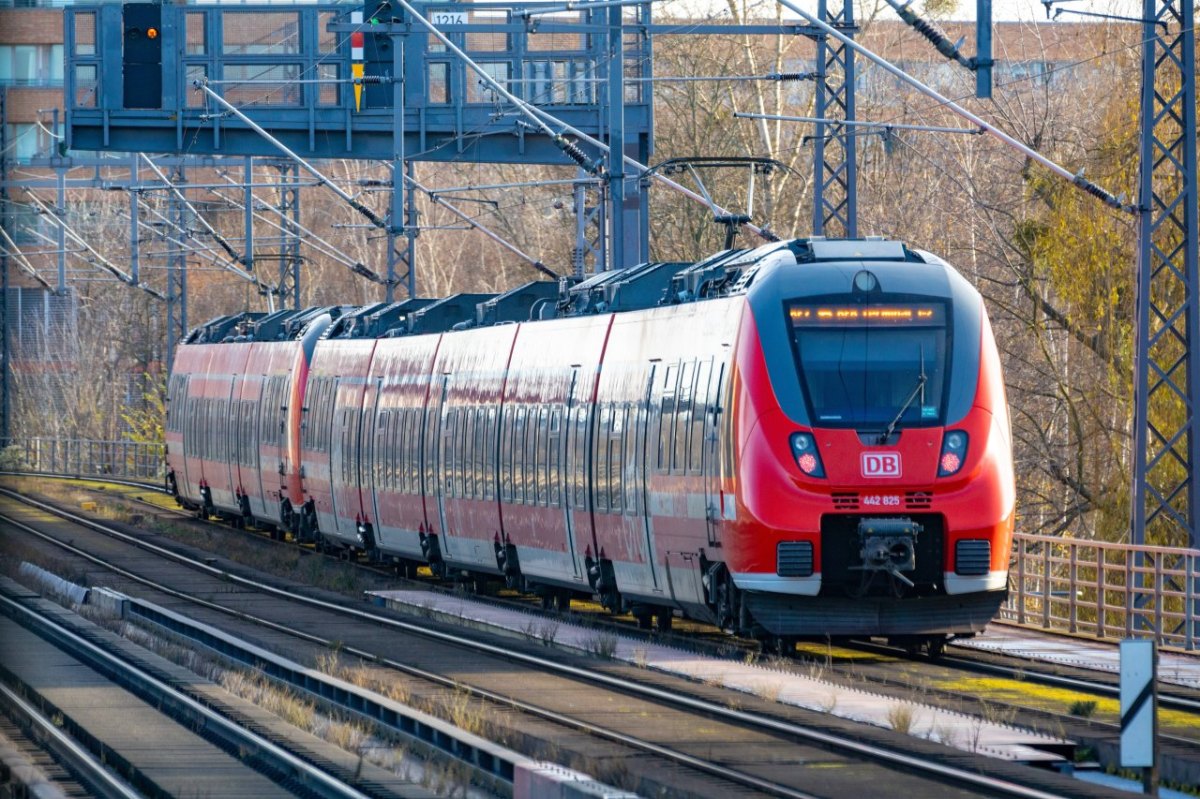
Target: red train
809,438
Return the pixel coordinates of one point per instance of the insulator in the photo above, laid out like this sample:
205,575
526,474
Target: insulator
577,155
791,76
935,36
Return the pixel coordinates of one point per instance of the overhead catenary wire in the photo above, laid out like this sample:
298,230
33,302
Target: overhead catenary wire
463,215
371,216
224,244
543,119
207,252
12,249
99,260
851,123
1076,179
308,237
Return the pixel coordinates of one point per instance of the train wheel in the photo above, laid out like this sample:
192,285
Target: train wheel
935,647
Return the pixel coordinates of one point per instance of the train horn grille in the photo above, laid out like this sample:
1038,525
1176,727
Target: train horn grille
794,559
973,557
913,500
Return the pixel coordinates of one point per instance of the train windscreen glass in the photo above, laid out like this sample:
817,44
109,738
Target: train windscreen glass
867,365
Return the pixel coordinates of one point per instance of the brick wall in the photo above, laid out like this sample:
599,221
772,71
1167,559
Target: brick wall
31,26
23,104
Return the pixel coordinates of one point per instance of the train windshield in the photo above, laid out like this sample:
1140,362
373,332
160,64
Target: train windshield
866,365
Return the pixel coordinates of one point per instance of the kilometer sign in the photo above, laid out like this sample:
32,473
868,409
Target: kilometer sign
442,18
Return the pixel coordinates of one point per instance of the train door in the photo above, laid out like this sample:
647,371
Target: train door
344,465
260,506
567,445
180,413
711,469
249,470
641,425
232,422
373,438
434,456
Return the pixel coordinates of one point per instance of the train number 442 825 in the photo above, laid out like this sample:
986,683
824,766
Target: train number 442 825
881,500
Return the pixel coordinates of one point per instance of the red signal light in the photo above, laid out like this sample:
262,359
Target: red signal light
807,463
151,33
950,463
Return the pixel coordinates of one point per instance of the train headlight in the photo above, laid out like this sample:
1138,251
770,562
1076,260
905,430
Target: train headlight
954,453
804,450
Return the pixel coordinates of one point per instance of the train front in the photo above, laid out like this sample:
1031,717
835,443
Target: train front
872,453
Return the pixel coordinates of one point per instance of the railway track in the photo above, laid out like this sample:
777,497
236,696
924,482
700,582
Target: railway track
1079,678
37,755
848,744
981,684
157,720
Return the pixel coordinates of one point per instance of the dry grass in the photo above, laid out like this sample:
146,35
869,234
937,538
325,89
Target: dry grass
900,717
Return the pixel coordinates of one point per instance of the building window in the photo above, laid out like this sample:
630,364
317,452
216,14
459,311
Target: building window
31,64
25,140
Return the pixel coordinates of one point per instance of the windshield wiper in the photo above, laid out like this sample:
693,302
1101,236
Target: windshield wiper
891,428
919,388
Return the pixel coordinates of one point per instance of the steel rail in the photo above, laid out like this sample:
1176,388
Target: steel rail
776,726
682,758
82,764
316,779
1165,700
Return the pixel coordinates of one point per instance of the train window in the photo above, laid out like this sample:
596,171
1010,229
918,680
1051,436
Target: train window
666,418
632,461
582,454
467,451
569,455
176,391
405,448
386,454
541,447
699,415
415,452
505,455
376,460
534,459
267,413
490,452
862,366
683,415
397,449
480,452
554,457
449,417
189,425
520,432
616,469
600,479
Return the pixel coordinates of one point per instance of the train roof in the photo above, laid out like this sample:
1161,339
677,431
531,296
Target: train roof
645,285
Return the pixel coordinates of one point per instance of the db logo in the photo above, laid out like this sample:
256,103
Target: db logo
881,464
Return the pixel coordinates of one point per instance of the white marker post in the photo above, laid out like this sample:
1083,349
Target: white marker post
1139,711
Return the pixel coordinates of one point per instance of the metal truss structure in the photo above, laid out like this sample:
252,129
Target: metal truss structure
1166,492
835,197
290,69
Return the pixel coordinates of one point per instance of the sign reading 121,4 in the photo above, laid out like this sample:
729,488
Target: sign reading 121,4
440,18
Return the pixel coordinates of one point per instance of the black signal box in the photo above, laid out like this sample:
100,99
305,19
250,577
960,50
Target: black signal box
142,55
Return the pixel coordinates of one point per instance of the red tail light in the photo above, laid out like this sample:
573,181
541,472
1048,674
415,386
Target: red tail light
804,450
954,452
